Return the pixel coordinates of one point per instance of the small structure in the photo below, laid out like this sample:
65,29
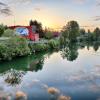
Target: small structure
56,34
26,31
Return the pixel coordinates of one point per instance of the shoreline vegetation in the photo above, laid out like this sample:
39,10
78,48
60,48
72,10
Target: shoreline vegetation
17,46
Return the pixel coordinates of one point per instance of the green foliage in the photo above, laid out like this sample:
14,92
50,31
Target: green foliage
48,35
54,43
38,47
71,31
9,33
13,47
2,29
82,31
96,34
39,28
5,53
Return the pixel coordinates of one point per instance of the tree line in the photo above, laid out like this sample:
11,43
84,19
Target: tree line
70,32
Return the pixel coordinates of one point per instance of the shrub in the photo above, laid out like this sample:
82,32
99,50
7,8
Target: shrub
5,52
38,47
54,43
2,29
48,35
13,47
20,45
8,33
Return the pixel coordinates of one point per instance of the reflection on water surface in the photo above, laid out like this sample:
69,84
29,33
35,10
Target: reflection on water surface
70,73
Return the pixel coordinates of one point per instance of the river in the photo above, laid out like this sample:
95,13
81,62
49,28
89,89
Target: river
73,71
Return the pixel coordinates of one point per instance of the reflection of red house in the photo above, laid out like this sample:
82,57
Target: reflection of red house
29,31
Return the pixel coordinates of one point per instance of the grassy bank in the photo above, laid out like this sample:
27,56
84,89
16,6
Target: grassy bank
13,47
16,47
51,44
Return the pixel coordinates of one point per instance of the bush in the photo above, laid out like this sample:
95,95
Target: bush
48,35
9,33
38,47
13,47
2,29
5,52
54,43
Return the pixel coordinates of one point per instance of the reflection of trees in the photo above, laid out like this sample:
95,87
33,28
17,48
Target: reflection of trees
96,46
36,65
70,52
14,77
17,63
37,61
23,63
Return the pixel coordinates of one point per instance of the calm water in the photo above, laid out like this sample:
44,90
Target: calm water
74,71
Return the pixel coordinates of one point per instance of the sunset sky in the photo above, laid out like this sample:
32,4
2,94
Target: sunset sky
51,13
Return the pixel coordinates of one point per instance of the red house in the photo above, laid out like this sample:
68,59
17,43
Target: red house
26,31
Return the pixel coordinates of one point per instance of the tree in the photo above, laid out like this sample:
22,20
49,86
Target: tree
71,30
38,26
89,36
82,31
2,29
97,33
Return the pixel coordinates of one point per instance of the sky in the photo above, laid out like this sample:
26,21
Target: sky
51,13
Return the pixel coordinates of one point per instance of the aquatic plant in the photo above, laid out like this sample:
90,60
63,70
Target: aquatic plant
62,97
53,91
21,95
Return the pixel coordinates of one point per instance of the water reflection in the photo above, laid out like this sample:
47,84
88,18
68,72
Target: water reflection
36,64
13,71
43,74
70,52
13,77
96,46
32,63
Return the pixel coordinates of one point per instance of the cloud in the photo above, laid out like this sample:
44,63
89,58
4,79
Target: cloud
37,9
2,4
20,1
97,2
4,9
80,1
96,18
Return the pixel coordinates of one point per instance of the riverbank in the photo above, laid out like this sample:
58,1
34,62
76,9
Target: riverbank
17,47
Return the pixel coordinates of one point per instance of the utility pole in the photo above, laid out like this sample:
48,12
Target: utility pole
14,20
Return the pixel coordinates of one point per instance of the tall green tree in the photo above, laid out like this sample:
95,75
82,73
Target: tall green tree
89,36
82,31
71,30
97,33
39,28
